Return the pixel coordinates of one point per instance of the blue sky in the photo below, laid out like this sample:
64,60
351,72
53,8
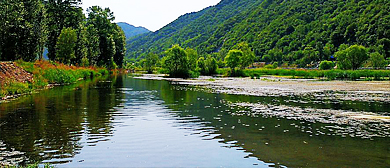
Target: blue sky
152,14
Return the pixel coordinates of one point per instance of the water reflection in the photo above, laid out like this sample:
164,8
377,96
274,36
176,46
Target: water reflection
49,125
124,121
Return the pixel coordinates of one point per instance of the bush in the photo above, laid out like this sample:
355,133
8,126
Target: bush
269,66
275,65
377,60
326,65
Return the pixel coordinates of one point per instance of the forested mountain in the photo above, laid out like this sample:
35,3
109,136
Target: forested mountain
131,30
294,31
190,29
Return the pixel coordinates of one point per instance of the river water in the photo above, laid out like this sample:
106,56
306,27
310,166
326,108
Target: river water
127,122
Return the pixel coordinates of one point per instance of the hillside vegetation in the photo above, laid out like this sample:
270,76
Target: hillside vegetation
301,32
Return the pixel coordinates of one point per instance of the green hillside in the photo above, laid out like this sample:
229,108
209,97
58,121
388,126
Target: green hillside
188,30
293,31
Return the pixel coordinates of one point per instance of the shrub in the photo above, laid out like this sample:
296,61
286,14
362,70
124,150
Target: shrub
377,60
326,65
275,65
269,66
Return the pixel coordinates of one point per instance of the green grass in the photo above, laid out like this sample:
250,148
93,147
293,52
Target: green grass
321,74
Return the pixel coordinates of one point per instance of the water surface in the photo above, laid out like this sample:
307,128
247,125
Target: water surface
127,122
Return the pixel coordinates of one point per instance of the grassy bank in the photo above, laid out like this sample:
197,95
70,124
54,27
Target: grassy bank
322,74
45,73
312,74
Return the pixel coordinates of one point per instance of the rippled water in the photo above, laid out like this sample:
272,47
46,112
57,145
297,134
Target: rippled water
126,122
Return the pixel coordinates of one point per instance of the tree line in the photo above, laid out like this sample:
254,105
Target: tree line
184,63
28,27
179,62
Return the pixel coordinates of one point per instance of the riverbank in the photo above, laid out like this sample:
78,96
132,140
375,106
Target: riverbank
19,78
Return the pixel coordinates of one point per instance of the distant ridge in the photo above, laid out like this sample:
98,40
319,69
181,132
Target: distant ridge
131,31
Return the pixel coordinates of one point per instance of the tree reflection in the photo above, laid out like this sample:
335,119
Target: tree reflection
49,125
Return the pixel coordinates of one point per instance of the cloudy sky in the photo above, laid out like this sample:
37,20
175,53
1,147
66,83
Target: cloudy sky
152,14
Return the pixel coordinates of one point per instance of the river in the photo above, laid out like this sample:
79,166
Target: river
126,122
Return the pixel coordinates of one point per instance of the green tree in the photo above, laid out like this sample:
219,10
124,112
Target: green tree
310,55
233,59
211,65
150,62
66,45
248,56
22,29
192,58
352,57
176,62
111,38
81,48
208,66
61,14
202,66
120,45
93,50
377,60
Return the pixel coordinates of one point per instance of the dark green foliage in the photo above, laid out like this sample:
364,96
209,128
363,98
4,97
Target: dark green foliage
326,65
111,37
61,14
22,29
26,26
150,62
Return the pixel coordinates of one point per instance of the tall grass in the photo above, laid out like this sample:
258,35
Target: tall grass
45,73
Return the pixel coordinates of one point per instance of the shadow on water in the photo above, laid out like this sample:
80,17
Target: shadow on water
56,125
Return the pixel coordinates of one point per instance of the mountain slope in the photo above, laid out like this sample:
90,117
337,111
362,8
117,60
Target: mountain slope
294,31
131,31
189,29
